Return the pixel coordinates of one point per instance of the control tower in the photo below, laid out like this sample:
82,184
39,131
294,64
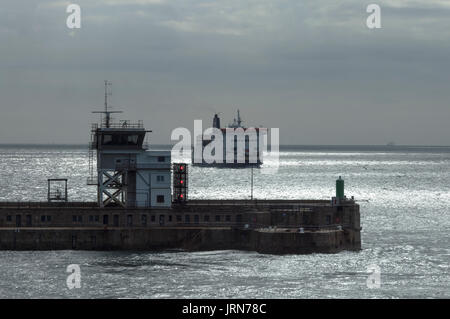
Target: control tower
127,173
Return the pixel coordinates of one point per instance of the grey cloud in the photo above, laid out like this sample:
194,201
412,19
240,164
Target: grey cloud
311,68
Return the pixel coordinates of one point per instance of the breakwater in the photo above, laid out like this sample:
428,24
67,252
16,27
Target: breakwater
265,226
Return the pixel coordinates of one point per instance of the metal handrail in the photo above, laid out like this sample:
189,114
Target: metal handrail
123,124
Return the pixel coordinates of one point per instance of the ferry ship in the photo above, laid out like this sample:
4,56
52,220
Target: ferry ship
246,143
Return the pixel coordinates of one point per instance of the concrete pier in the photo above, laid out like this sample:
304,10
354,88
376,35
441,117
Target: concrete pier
270,226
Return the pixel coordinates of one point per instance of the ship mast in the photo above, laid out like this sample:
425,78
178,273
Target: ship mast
239,121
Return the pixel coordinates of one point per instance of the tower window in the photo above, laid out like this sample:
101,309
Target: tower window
160,199
133,139
161,159
120,139
107,139
160,178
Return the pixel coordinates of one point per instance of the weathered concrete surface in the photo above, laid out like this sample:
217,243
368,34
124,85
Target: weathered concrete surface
330,241
264,226
188,238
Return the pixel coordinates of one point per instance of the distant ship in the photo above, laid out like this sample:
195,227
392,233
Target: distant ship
251,144
390,144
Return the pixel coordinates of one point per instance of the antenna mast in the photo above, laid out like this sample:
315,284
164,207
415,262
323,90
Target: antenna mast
106,112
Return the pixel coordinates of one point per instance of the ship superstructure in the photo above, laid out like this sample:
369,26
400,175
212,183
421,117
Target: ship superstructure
242,146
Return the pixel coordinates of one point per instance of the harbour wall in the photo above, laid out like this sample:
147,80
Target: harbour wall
194,239
277,227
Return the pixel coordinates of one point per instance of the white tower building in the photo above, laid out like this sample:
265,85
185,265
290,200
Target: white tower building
128,174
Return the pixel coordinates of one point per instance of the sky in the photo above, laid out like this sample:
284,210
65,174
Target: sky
311,68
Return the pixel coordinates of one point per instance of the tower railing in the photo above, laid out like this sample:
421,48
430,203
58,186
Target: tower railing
122,124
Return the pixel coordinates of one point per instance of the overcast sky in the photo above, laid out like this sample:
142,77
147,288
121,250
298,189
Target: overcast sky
310,67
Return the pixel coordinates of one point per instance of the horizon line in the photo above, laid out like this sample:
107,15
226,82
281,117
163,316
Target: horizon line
281,145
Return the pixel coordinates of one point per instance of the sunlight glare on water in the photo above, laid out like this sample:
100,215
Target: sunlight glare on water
404,197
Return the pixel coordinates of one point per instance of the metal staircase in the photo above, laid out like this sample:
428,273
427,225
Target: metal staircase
93,178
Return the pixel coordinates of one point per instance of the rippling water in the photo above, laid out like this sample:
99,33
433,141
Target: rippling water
405,202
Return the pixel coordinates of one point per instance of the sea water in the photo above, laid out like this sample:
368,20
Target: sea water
404,199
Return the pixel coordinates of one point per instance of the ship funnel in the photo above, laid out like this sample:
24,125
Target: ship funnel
216,121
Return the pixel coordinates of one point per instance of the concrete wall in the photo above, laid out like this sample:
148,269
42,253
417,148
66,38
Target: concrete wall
318,216
191,239
266,228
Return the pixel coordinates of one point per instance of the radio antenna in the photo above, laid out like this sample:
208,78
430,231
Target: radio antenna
106,111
